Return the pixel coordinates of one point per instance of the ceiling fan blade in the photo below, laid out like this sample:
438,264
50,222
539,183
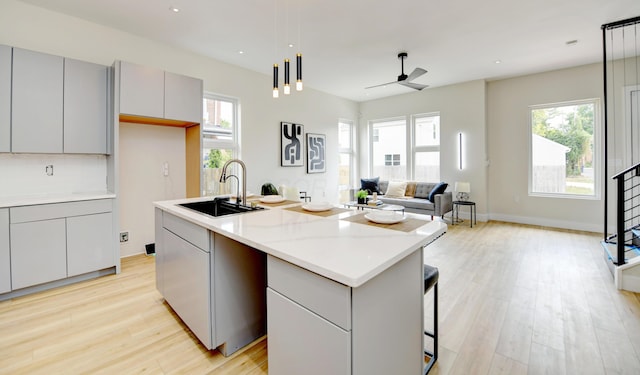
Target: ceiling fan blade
384,84
415,86
417,72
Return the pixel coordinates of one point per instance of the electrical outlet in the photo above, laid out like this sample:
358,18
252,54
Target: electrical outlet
124,237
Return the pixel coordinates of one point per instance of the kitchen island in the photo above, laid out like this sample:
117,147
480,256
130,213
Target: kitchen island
340,297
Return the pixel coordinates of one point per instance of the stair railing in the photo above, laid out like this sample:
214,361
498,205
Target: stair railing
627,208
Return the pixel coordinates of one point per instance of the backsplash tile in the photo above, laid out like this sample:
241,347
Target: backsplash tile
26,174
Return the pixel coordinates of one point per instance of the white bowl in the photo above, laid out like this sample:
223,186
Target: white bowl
385,217
272,199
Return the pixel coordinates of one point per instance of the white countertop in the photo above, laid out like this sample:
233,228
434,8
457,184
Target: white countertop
347,252
30,200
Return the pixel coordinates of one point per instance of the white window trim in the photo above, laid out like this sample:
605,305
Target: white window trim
370,126
415,149
234,143
351,150
597,142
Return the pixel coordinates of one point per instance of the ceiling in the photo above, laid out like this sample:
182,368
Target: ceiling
348,45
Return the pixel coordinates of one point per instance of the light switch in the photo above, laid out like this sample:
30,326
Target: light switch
165,168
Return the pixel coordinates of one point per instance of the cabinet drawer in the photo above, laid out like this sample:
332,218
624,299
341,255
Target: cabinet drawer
301,342
58,210
191,232
323,296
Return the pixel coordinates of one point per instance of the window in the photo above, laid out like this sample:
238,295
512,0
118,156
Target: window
563,152
392,159
389,156
346,158
426,147
219,141
388,140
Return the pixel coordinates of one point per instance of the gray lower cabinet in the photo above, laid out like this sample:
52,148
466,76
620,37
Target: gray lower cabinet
5,259
36,102
216,285
186,284
319,326
305,343
89,243
38,252
5,98
51,242
85,107
309,321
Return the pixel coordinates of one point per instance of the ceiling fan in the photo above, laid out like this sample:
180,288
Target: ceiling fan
405,80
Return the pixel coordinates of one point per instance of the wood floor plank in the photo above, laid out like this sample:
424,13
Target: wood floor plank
514,299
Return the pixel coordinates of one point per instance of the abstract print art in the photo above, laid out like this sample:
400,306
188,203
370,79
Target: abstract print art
316,153
291,144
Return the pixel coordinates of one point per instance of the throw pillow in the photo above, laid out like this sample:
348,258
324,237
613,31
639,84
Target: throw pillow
396,189
438,189
370,185
411,189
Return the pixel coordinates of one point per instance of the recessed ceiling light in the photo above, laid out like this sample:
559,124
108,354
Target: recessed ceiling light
571,42
241,52
290,45
498,61
174,9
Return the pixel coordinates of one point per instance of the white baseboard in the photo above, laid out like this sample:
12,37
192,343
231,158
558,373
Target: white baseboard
546,222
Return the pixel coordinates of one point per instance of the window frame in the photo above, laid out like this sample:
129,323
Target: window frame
597,140
425,148
350,151
374,134
233,144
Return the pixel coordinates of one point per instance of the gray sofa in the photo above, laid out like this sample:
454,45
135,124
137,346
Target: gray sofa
419,203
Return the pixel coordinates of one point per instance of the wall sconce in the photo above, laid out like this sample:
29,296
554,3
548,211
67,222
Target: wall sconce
463,189
460,150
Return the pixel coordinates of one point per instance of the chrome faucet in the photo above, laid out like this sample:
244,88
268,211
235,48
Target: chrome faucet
224,177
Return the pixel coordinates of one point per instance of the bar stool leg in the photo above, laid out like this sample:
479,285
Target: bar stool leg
434,334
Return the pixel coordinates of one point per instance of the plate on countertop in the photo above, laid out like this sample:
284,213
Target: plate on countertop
317,207
385,217
272,199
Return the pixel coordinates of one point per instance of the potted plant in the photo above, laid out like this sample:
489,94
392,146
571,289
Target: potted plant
362,196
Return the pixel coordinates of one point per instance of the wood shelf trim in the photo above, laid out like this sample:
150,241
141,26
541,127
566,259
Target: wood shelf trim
135,119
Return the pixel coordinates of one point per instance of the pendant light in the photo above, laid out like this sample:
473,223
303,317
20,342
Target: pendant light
287,87
276,92
299,72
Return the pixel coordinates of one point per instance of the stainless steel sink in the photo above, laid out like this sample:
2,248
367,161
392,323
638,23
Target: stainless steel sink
220,207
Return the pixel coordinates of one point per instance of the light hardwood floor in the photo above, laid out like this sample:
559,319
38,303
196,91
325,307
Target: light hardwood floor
514,299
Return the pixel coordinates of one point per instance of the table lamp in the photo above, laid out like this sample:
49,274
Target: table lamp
463,189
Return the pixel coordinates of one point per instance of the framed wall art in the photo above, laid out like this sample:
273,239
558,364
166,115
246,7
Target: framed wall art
291,145
316,151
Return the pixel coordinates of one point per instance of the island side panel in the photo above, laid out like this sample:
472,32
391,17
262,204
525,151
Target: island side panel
387,318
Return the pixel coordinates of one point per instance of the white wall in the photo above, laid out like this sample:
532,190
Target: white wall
29,27
462,109
142,180
508,128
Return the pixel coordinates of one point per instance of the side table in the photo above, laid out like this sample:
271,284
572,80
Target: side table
456,211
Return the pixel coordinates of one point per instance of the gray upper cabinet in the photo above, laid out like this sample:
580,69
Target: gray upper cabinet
5,98
141,90
183,98
85,107
36,105
5,259
151,92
